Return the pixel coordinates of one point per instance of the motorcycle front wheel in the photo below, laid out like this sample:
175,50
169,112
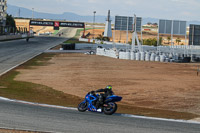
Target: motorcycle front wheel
82,107
110,108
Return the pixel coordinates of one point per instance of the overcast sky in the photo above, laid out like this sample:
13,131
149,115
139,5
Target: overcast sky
164,9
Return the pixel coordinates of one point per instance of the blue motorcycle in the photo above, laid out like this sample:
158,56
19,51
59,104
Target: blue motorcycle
93,104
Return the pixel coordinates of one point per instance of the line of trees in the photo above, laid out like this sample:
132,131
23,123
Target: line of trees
102,38
149,41
10,21
10,26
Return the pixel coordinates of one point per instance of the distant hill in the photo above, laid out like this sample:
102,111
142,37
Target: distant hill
26,13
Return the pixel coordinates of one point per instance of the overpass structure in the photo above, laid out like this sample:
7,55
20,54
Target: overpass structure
57,24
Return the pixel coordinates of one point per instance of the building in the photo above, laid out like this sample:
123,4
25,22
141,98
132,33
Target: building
3,13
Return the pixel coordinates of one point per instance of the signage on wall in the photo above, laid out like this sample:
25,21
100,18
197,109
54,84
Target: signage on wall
58,24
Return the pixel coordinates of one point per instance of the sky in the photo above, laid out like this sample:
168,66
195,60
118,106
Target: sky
163,9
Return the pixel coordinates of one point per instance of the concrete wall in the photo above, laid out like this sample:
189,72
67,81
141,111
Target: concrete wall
13,37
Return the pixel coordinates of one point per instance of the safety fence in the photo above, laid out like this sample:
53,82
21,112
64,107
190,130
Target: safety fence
7,30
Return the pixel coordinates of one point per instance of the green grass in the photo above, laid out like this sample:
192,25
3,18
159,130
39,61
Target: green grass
27,91
78,33
55,32
72,40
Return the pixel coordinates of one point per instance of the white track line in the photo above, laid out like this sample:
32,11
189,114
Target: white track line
37,104
123,115
161,119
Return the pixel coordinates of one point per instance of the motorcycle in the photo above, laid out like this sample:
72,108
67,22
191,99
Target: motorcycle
93,103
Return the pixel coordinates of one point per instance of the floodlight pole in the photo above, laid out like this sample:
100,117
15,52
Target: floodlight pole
185,40
32,13
133,35
158,35
120,30
192,43
141,37
172,32
93,23
185,43
127,33
114,38
127,30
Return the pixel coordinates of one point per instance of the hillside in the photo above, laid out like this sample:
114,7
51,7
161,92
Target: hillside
27,13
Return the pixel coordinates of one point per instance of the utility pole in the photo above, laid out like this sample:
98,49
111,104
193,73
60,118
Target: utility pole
93,23
32,13
19,12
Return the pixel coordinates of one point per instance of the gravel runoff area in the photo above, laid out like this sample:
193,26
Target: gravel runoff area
166,86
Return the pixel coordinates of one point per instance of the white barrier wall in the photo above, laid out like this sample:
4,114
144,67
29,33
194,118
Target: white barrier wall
138,56
153,56
142,56
107,52
132,55
147,56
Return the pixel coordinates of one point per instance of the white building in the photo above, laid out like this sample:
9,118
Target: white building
3,13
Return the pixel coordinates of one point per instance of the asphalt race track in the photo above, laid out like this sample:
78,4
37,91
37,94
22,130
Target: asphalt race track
15,115
37,118
15,52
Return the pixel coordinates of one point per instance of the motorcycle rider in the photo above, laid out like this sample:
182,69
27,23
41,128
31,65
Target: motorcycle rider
107,92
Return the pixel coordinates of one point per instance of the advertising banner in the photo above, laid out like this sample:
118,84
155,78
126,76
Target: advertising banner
58,24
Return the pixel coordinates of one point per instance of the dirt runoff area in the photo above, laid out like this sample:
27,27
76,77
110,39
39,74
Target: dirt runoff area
153,85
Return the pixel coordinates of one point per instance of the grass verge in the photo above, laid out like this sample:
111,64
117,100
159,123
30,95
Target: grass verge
43,94
55,32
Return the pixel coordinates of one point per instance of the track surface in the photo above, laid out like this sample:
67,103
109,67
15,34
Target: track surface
14,52
31,117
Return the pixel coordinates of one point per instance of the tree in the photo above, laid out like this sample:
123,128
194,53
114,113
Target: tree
150,42
168,38
99,37
102,38
149,23
160,40
155,24
178,40
10,21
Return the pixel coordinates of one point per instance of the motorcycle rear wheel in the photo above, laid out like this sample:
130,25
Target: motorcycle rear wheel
82,107
110,109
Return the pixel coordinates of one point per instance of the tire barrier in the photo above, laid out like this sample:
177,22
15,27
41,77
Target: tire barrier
142,56
68,46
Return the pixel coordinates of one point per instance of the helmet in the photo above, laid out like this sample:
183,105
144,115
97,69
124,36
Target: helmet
109,87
